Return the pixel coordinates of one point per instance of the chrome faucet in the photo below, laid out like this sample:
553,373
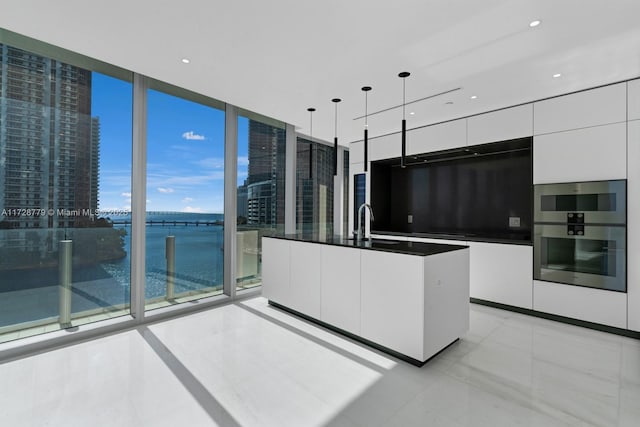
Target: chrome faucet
361,232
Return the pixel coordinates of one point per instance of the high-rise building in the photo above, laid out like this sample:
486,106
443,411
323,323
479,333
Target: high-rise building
49,143
265,181
314,187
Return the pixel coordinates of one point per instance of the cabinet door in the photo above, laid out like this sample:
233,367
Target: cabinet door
501,273
305,278
437,137
275,270
510,123
385,147
633,227
593,305
392,287
633,99
340,299
593,107
591,154
356,152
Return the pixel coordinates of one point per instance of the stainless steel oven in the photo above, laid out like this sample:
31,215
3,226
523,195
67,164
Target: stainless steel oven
580,234
599,202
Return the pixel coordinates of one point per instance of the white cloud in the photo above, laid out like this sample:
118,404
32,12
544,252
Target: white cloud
127,195
243,161
187,200
191,136
210,163
165,190
189,209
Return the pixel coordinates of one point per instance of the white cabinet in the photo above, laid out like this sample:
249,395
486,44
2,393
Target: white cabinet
411,304
590,154
501,273
446,296
340,300
577,302
593,107
633,99
633,227
356,152
385,147
437,137
510,123
275,270
392,301
305,278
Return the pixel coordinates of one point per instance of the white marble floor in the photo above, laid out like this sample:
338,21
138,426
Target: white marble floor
248,364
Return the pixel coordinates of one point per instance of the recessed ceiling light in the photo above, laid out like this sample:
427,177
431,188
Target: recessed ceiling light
556,75
412,113
474,97
534,23
449,103
185,60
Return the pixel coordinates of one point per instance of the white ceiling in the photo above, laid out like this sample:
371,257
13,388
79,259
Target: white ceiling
279,57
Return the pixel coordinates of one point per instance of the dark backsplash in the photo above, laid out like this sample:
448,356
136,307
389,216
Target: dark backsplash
471,191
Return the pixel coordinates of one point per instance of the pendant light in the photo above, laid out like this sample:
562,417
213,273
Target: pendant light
335,138
311,110
366,89
403,75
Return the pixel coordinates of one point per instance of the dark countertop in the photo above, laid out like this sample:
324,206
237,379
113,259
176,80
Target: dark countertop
384,245
508,239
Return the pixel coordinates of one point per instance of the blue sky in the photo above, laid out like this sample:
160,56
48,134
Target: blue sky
185,150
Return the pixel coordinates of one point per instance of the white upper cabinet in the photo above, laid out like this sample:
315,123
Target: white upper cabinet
356,152
633,99
590,154
437,137
510,123
385,147
593,107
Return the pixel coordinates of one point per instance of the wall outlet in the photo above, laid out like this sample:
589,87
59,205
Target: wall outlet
514,221
409,219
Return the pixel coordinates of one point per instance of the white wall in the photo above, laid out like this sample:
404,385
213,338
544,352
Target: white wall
633,227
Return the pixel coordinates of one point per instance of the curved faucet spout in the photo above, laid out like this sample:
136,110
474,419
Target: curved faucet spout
361,232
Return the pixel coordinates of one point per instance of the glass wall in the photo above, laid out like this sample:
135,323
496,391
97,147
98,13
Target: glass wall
345,195
359,197
65,182
185,198
314,188
260,200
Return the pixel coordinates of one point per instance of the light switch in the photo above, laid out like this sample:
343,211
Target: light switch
514,221
409,219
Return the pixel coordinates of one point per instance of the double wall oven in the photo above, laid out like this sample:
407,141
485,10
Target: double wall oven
580,234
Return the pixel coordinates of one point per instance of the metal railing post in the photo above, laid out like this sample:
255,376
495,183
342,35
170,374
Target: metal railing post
170,254
65,269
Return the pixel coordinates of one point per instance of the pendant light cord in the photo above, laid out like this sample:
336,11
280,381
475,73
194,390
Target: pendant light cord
366,112
404,87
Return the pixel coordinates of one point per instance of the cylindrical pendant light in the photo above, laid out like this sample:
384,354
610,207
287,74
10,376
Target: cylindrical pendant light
335,138
403,75
366,89
311,110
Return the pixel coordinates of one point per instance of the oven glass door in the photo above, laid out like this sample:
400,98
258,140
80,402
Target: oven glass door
595,259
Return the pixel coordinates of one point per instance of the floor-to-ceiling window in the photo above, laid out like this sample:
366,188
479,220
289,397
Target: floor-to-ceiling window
314,188
185,197
260,193
65,178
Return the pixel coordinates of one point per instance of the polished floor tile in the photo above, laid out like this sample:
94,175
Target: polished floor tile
248,364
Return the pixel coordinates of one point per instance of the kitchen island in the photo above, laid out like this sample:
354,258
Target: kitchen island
408,299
